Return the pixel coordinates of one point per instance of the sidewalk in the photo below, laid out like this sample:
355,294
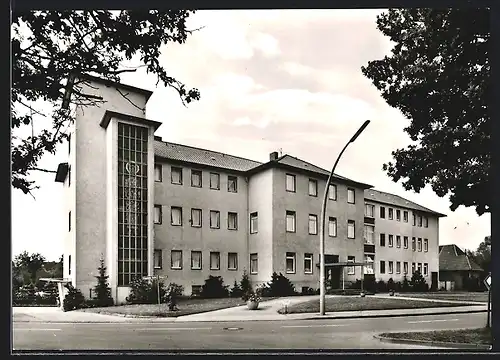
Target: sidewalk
268,310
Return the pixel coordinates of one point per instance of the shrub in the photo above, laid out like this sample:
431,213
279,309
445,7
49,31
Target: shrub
370,284
398,286
102,290
381,286
280,285
418,283
214,288
356,285
405,285
308,291
74,299
172,295
145,291
236,291
391,285
245,286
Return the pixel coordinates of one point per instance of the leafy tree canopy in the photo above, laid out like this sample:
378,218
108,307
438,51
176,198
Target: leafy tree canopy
437,76
49,47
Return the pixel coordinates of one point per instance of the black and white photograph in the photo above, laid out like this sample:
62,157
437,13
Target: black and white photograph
259,180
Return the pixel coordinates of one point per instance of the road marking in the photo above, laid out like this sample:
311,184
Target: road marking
153,329
310,326
26,329
430,321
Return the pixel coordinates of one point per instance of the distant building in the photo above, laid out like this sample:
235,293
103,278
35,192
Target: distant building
456,269
155,207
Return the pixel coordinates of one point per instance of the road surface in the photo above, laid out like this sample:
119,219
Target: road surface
291,334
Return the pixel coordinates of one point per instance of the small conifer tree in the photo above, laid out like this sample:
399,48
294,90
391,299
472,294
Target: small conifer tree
102,291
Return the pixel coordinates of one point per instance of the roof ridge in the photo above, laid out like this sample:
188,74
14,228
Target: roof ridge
405,199
307,162
212,151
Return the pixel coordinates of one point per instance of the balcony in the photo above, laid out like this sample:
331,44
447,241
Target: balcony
369,220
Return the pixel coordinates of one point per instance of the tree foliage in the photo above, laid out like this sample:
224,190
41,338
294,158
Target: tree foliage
26,266
102,291
50,47
438,76
482,255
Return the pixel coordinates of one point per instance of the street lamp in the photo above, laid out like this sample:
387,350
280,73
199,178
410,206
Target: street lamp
322,224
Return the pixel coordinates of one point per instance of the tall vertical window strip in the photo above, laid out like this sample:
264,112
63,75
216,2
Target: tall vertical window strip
132,203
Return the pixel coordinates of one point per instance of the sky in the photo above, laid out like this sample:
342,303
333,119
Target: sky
273,80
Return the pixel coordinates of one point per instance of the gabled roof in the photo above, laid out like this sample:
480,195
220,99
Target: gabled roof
168,150
452,258
396,200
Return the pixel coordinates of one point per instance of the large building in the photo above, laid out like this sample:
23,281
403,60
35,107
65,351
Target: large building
151,207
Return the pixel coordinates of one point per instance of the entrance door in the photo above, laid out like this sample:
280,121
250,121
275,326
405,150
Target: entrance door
434,281
332,273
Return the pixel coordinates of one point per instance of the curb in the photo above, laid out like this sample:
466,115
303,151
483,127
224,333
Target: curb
326,317
433,343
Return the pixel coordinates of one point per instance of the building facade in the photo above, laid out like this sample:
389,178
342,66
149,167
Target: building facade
151,207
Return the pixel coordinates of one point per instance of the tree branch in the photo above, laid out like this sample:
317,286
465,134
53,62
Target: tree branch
43,170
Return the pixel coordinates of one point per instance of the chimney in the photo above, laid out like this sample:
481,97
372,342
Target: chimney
273,156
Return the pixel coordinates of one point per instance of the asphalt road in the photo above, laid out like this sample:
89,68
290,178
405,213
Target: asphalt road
291,334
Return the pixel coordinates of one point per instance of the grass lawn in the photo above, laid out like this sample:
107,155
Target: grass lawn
481,336
356,303
186,307
453,296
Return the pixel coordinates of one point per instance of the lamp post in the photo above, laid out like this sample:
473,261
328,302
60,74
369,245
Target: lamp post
322,224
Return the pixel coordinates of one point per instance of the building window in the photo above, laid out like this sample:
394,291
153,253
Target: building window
69,264
405,242
332,226
426,245
232,261
196,216
69,221
391,241
158,173
313,187
351,198
369,210
368,268
426,222
426,269
196,260
413,244
382,239
157,214
176,259
176,216
232,184
405,216
290,263
196,178
308,263
215,261
232,221
290,221
132,186
254,264
412,267
176,175
398,241
369,234
405,267
351,269
254,223
382,212
313,224
332,192
391,213
398,267
414,219
391,267
157,259
398,215
419,244
350,229
419,268
420,221
382,266
290,183
196,290
214,219
214,181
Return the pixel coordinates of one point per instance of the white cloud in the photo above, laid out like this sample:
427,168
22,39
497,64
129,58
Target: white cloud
266,43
